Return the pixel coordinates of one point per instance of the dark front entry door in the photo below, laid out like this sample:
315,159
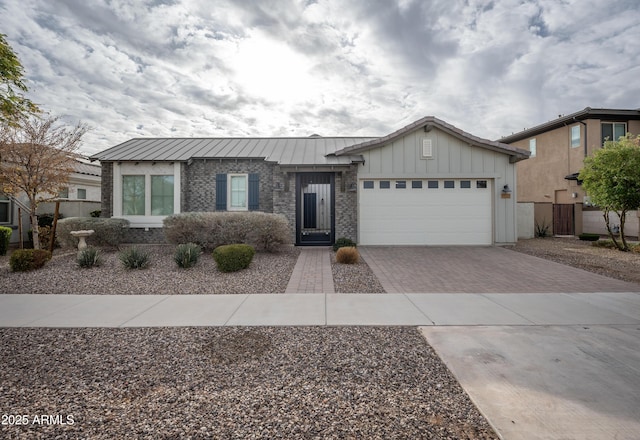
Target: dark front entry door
563,219
315,208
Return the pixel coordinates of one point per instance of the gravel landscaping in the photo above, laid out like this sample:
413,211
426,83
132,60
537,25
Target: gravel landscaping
260,383
354,278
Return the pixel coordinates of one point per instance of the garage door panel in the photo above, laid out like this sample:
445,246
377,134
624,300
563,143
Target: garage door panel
425,216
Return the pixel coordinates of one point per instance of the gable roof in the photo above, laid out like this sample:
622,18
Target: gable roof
608,114
284,151
428,123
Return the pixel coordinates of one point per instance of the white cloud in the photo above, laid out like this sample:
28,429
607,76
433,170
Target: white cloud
334,67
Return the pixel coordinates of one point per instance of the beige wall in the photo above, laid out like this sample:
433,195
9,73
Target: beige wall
542,178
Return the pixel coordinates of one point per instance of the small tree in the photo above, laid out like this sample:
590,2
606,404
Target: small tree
36,157
611,178
13,104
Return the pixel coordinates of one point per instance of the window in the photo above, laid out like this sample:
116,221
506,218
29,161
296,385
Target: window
481,184
532,147
401,184
82,194
432,184
449,184
465,184
385,184
237,192
368,184
63,193
5,210
161,195
133,192
612,131
416,184
575,136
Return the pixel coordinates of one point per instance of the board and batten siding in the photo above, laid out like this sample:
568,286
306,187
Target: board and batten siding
452,158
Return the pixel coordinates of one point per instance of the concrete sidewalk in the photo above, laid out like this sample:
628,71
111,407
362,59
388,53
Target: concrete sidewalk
448,309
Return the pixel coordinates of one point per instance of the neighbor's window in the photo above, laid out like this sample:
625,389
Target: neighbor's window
5,211
575,136
82,194
237,192
63,193
133,190
532,147
161,195
612,131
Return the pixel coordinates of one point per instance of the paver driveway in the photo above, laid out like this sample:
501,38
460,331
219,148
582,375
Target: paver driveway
479,270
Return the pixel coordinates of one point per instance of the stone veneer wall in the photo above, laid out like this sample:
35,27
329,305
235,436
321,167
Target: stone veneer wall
148,236
284,198
199,182
106,186
347,204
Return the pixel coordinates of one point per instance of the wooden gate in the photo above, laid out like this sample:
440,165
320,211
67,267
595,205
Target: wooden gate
563,223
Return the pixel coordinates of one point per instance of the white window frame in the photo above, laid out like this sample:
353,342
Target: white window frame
533,147
230,177
148,170
572,138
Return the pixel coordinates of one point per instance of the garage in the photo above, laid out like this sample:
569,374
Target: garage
425,212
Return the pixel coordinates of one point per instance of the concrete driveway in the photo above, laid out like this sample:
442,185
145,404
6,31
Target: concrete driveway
479,270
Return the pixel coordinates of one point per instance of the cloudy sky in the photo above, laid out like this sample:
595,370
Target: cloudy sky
178,68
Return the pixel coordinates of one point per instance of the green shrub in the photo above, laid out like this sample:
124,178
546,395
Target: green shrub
108,231
589,237
47,219
343,242
262,231
22,260
187,255
89,257
134,258
5,237
233,257
347,255
95,213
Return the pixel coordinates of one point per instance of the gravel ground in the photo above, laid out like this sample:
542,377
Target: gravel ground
354,278
581,254
268,273
244,383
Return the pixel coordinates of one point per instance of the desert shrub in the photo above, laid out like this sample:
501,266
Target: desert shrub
542,229
233,257
5,237
108,231
22,260
635,248
609,244
89,257
134,258
187,255
343,242
589,237
347,255
262,231
95,213
47,219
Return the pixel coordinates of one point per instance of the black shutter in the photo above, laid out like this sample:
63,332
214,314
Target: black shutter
254,192
221,192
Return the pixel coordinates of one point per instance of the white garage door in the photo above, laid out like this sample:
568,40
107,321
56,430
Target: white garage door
425,212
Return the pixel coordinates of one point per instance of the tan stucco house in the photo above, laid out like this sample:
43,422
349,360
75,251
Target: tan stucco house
428,183
558,148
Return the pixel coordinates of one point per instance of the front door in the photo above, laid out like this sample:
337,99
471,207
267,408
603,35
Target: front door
315,209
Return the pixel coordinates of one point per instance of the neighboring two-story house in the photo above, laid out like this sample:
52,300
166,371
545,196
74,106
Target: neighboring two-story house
549,179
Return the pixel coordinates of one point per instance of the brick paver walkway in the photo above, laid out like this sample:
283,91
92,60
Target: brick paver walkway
480,270
312,272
